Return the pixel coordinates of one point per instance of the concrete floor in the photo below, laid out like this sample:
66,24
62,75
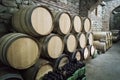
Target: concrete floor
105,66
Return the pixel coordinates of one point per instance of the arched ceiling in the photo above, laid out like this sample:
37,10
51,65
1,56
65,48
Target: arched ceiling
117,9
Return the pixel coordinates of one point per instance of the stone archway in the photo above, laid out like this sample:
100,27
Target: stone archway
115,19
107,9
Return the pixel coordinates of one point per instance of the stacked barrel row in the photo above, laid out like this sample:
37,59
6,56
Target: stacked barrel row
116,35
103,40
40,36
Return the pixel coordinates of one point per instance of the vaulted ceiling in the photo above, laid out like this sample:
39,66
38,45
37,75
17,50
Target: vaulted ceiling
89,4
107,0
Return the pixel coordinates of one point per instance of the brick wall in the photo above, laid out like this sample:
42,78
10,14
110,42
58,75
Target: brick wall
62,5
101,21
96,18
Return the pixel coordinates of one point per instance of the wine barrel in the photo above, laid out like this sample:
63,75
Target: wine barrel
77,24
90,38
77,55
19,50
9,74
86,24
110,43
103,36
111,39
115,38
62,23
110,35
61,61
91,49
70,42
115,32
33,20
101,46
107,44
81,40
37,71
52,46
85,53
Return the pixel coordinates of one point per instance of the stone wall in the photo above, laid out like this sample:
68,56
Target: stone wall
96,18
115,19
107,9
101,21
61,5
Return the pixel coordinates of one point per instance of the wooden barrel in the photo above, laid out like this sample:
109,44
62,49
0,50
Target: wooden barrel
81,40
61,61
9,74
110,35
19,50
86,53
70,42
91,49
86,25
110,43
33,20
107,44
62,23
115,38
77,24
90,38
37,71
77,55
103,36
52,46
115,32
101,46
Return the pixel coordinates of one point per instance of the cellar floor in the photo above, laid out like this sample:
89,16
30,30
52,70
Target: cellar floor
105,66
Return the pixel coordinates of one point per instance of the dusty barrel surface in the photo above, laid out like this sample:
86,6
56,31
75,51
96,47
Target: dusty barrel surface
91,49
37,71
9,74
33,20
70,42
19,50
77,54
111,35
107,44
61,61
52,46
77,24
115,32
100,46
101,36
62,23
82,41
90,38
86,24
85,53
